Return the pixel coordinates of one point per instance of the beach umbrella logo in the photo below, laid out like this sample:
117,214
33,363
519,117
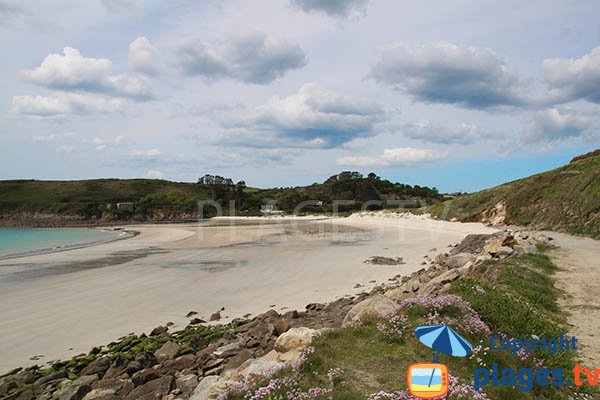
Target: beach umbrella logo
430,380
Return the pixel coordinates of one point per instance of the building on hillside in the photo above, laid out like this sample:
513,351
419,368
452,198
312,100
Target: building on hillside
125,206
270,208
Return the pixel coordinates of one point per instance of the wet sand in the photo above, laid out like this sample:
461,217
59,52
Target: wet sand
61,304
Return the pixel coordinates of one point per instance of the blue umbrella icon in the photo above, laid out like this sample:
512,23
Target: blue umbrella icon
443,339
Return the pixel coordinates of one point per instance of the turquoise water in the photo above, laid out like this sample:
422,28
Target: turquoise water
18,241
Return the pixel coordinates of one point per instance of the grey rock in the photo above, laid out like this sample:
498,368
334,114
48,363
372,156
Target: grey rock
98,366
167,351
101,394
144,376
152,390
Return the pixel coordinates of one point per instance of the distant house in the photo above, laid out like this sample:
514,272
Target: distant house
125,206
270,208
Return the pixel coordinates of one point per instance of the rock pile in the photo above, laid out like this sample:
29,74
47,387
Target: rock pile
198,362
463,259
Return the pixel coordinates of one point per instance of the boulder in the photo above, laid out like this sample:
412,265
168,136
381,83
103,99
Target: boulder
227,350
145,375
6,387
397,294
73,392
146,359
98,366
153,389
85,380
459,260
159,330
167,351
118,367
504,251
56,376
215,316
376,306
260,368
115,385
203,390
295,339
101,394
186,383
473,243
525,248
27,395
438,282
187,361
281,326
239,359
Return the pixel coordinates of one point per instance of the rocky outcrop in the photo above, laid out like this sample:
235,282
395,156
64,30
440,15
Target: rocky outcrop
376,306
463,259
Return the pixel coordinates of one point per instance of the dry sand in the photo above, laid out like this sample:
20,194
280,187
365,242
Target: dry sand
61,304
578,260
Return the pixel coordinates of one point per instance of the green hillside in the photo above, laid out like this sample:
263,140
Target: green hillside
564,199
160,200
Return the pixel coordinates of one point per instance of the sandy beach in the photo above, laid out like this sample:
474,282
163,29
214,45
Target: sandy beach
54,306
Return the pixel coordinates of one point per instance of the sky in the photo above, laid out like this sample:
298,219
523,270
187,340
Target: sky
459,95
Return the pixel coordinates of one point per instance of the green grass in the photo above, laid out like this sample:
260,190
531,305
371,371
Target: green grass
97,198
564,199
515,296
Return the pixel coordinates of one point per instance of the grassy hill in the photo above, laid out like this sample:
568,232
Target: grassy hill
160,200
564,199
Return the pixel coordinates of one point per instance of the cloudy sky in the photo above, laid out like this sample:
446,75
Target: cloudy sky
459,95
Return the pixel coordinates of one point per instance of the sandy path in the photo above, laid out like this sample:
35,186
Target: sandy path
579,276
94,295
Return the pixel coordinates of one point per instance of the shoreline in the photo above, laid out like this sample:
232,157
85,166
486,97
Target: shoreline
185,267
128,234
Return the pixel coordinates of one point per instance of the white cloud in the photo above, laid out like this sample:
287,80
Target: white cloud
99,144
469,76
150,153
142,56
154,174
251,57
570,79
47,138
118,6
66,148
554,124
428,131
10,10
313,117
63,105
334,8
72,71
400,156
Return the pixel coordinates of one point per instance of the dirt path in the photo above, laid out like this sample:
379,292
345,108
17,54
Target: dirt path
579,276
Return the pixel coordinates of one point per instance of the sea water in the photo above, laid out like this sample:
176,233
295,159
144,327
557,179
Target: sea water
16,241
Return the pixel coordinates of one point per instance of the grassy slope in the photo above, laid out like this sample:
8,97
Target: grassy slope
91,196
56,196
565,199
520,308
